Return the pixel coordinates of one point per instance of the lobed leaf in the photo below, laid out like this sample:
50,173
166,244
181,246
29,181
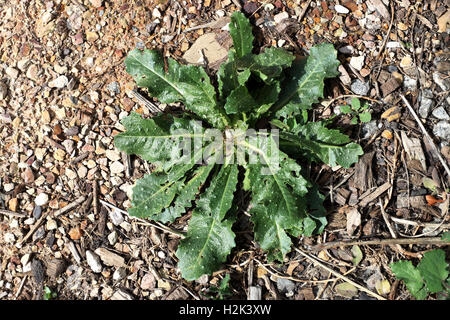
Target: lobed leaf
434,269
188,84
278,203
405,271
328,145
241,33
209,238
305,80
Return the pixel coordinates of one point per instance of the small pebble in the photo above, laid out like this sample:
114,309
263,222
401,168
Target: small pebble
59,82
360,88
93,261
41,199
341,9
440,113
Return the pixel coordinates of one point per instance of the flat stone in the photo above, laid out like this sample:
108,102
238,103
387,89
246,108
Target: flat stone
359,87
442,130
110,258
41,199
357,62
113,155
285,285
426,102
341,9
440,113
51,225
59,82
119,274
117,167
93,261
12,72
72,175
148,281
280,17
112,238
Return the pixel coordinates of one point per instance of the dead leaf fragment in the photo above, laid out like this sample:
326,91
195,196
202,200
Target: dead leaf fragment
353,220
75,233
383,287
391,114
346,290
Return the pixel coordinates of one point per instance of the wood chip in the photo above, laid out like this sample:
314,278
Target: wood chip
380,190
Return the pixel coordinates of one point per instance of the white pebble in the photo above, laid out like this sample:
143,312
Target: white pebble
341,9
41,199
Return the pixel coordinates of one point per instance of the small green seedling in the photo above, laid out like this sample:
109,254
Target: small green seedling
48,294
357,110
430,276
220,292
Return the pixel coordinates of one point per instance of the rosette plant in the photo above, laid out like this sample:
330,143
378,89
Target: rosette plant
268,94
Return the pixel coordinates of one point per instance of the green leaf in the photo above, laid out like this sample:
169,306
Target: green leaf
345,109
328,145
158,140
305,80
186,194
404,270
209,238
356,104
188,84
278,203
365,117
354,120
268,65
309,225
239,101
433,269
229,77
241,33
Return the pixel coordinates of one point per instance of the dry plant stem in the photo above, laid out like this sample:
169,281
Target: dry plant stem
22,283
144,222
340,276
382,242
95,197
420,224
387,35
12,214
57,213
276,274
435,149
302,14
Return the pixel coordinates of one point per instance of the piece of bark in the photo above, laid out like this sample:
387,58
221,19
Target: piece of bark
390,86
414,149
363,172
55,267
372,196
254,293
342,196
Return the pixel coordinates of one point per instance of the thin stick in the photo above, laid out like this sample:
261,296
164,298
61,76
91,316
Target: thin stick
382,242
302,14
69,207
12,213
95,197
337,274
292,278
144,222
45,214
386,220
420,224
22,283
419,122
153,108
